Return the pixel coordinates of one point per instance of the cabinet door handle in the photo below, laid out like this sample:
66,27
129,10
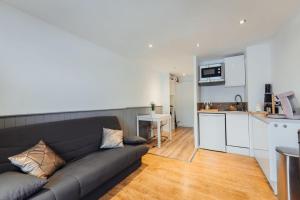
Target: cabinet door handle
275,125
284,126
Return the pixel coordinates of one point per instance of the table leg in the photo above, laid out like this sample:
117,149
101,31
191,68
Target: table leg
170,129
151,129
137,127
158,134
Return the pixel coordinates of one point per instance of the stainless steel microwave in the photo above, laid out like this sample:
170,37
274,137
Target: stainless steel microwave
212,74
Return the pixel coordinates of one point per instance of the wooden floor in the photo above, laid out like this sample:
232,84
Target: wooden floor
181,146
210,176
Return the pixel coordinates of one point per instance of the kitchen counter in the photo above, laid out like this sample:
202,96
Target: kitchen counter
270,120
257,116
222,112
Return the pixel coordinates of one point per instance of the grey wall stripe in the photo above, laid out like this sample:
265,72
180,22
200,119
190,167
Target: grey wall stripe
127,117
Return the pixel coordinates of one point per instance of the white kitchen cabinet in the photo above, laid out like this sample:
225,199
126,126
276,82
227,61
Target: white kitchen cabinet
261,147
235,73
266,136
263,159
260,134
212,131
281,134
237,130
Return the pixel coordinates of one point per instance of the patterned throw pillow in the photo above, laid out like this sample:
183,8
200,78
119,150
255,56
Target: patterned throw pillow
112,139
39,161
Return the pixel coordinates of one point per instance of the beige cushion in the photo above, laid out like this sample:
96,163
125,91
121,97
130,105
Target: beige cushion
112,138
39,161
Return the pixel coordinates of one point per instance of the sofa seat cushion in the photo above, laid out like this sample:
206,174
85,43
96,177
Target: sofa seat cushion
45,194
98,167
60,187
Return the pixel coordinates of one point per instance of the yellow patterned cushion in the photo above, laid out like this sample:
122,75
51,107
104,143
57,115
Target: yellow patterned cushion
39,161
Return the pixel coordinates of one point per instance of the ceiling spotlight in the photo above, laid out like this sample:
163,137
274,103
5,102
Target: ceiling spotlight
183,74
198,45
243,21
150,45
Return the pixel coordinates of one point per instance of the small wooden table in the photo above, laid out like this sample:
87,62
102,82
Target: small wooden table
158,118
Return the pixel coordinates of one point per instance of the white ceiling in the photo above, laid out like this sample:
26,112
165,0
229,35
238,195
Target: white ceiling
172,26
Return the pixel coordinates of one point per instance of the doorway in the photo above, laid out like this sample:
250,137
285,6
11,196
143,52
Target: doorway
181,146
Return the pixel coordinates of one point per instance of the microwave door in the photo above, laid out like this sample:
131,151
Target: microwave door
203,78
208,72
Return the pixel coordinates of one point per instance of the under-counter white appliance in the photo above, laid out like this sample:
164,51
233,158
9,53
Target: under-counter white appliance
212,131
212,74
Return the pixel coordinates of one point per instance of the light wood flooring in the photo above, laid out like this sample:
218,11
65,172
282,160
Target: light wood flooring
181,146
210,176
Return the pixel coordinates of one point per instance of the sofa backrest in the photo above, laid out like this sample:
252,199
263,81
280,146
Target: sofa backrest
71,139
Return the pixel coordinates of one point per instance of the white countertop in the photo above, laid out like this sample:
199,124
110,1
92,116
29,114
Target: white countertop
223,112
270,120
260,117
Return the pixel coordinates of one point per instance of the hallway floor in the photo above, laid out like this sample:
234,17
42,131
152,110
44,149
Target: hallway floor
181,147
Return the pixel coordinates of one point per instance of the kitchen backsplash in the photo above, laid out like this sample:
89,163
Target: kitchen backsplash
220,93
223,106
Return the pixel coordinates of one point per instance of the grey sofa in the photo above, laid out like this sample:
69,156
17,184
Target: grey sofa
89,172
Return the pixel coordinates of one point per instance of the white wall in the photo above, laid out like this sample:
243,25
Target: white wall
184,101
165,92
195,100
276,61
285,59
44,69
258,73
218,93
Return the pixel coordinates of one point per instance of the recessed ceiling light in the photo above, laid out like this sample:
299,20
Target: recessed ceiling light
243,21
150,45
197,45
183,74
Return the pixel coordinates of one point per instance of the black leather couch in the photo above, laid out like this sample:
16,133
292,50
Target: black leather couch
89,172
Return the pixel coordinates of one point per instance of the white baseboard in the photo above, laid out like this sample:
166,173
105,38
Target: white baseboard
238,150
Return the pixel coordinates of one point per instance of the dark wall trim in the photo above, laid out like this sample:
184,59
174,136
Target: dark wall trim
32,114
126,116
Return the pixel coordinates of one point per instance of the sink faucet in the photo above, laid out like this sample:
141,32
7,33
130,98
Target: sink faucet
239,102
